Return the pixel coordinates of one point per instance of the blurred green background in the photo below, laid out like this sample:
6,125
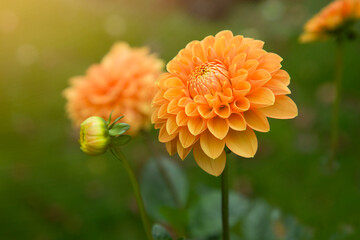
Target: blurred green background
50,190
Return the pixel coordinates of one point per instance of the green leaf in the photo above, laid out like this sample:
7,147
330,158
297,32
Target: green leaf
109,119
160,233
155,188
121,140
257,224
205,214
266,223
115,121
119,129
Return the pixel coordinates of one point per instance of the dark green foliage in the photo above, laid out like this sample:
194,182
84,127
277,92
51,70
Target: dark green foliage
157,193
160,233
205,213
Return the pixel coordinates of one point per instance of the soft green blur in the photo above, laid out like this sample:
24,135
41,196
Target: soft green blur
50,190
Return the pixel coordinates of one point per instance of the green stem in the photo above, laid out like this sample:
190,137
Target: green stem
335,114
225,204
119,155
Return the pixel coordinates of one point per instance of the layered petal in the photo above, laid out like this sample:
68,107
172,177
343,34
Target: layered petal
243,143
283,108
219,127
212,166
211,145
257,120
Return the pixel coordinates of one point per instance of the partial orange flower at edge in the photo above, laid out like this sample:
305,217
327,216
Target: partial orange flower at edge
216,92
330,19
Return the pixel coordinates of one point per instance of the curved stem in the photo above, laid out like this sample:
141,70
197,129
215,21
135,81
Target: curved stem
225,204
335,114
119,155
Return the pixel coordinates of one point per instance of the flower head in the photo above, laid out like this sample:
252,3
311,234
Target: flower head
216,92
124,82
332,20
94,136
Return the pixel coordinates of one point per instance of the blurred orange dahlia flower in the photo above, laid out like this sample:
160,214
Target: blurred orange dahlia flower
216,92
331,20
124,82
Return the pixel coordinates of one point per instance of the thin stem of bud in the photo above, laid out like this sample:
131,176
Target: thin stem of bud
119,155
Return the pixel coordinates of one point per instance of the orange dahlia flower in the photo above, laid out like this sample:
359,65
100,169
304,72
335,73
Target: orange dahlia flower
124,82
331,20
216,92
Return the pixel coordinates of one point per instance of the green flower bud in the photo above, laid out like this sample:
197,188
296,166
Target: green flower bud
94,136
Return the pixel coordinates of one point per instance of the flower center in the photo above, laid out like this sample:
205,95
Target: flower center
208,78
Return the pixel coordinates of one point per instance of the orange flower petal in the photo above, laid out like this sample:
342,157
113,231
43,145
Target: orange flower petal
283,108
196,125
206,111
171,125
191,109
228,35
186,138
239,80
240,105
257,120
271,62
256,54
200,99
154,116
282,76
174,66
164,136
237,122
211,146
259,78
223,110
182,152
171,147
158,99
209,41
251,66
181,118
173,82
261,97
277,87
173,107
162,113
212,166
219,46
242,143
158,125
237,41
184,101
219,127
173,93
198,51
